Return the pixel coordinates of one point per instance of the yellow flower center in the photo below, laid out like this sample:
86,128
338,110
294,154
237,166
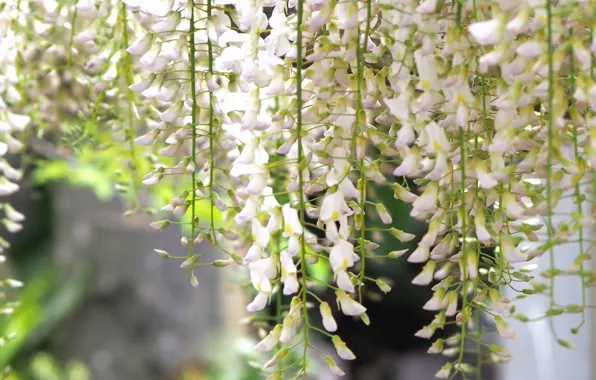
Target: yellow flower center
461,99
344,263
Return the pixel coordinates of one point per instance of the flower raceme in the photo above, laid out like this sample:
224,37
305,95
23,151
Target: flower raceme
311,106
282,118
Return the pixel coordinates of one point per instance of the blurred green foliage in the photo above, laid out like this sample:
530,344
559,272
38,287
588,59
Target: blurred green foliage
98,171
76,174
43,303
44,367
240,361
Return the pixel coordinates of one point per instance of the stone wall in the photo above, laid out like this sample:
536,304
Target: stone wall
141,318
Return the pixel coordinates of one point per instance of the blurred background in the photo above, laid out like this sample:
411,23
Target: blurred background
98,303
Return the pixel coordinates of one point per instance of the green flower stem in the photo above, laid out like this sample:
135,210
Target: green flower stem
211,134
15,25
130,132
577,190
464,223
72,34
458,13
360,131
278,298
549,157
593,77
313,294
301,205
322,332
479,342
476,190
193,112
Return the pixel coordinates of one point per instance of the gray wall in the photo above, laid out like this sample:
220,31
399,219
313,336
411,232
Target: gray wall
141,319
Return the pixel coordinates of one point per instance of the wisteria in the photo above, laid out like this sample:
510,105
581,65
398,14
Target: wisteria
267,124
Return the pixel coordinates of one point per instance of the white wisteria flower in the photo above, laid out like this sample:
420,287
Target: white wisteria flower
348,305
342,350
327,316
270,341
487,32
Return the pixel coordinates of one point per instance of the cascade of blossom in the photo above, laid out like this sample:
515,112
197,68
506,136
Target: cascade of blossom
276,120
322,97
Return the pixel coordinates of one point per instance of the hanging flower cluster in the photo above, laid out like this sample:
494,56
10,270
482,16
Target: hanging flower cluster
11,121
272,114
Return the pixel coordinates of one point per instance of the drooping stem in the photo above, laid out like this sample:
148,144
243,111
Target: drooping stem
458,13
211,134
464,229
359,131
577,190
550,147
301,165
193,113
479,349
130,130
18,59
73,23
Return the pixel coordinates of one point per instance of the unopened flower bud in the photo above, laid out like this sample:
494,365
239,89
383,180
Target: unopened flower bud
401,235
503,328
397,254
162,253
271,340
384,214
194,281
181,210
383,286
159,225
437,347
333,367
190,262
342,350
184,241
281,355
222,263
444,371
13,214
